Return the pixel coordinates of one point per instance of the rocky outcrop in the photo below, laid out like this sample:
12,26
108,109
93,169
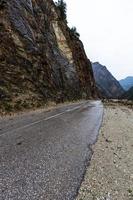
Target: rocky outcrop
127,83
108,86
40,58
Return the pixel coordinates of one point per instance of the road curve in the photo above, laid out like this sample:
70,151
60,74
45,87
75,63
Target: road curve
43,156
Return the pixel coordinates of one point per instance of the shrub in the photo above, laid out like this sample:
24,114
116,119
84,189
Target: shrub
2,4
8,107
74,32
61,5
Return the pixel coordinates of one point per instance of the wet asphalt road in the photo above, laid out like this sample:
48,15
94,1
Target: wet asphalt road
43,156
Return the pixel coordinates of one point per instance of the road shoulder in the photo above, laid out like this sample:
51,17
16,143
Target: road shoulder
110,175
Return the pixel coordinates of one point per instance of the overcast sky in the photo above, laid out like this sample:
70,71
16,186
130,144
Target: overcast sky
106,29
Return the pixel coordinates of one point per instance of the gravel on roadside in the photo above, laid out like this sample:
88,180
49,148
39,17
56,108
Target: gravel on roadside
110,175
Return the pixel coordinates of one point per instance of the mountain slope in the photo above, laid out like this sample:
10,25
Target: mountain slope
128,94
40,58
106,83
127,83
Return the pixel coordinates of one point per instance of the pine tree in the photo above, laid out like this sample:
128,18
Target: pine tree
74,32
63,9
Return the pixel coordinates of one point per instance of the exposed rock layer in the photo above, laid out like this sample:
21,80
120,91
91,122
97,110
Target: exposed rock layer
40,58
108,86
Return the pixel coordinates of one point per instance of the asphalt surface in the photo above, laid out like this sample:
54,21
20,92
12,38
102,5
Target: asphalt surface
43,156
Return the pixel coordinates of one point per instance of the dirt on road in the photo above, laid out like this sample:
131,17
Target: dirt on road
110,175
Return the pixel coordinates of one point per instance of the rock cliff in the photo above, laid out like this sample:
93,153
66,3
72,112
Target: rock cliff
108,86
40,58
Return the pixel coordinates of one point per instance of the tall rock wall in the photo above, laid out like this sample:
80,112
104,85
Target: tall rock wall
40,58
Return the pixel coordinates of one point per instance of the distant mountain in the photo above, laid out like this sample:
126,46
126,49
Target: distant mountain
127,83
108,86
128,94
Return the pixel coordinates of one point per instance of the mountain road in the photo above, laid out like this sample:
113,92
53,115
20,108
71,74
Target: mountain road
43,156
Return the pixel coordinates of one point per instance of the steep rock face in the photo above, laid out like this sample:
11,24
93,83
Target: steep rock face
108,86
40,59
127,83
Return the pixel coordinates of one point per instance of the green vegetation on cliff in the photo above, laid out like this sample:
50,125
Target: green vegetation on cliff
61,5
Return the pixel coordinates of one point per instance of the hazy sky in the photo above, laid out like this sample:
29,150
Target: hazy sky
106,29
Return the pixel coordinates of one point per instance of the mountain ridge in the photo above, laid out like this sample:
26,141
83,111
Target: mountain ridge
127,82
128,94
107,84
